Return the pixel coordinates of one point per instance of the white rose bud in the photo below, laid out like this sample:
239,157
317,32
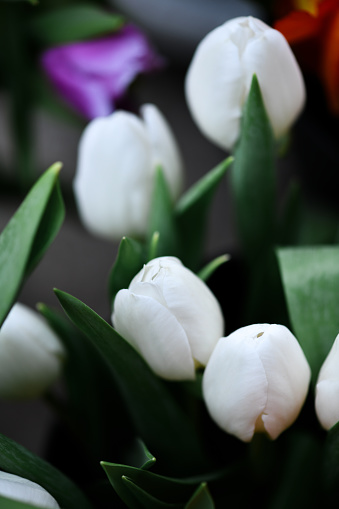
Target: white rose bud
170,317
23,490
30,354
118,156
220,75
256,381
327,389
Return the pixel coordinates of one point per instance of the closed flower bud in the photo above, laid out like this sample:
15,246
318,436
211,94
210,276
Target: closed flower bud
256,381
220,75
170,317
327,389
23,490
30,354
118,156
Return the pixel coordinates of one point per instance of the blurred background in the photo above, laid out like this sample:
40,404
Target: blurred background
38,127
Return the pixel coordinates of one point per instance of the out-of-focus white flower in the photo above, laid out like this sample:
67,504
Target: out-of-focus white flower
118,156
220,75
256,381
327,389
30,354
23,490
170,317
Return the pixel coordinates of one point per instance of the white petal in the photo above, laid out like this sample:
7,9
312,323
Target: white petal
235,386
164,148
327,389
327,403
23,490
114,176
190,300
30,354
329,369
288,375
269,56
214,86
155,333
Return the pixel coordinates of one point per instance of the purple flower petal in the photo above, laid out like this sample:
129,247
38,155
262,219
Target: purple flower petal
91,75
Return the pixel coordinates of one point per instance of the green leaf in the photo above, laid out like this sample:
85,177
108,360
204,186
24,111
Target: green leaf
161,218
153,246
17,460
140,489
149,460
73,23
85,380
28,234
157,417
310,278
206,272
253,177
145,500
192,214
128,263
201,499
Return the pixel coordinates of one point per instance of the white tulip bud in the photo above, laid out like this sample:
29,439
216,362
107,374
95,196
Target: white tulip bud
327,389
170,317
220,75
23,490
118,156
256,381
30,354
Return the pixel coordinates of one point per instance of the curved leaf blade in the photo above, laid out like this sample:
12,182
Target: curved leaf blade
192,214
310,278
17,460
253,176
154,411
28,234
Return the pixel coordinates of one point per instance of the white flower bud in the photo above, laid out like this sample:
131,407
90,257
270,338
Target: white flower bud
23,490
256,381
220,75
30,354
118,156
170,317
327,389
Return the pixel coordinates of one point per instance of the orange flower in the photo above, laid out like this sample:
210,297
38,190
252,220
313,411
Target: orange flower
312,28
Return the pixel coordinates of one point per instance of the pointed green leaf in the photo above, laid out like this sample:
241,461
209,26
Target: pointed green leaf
192,214
206,272
253,176
310,278
28,234
144,500
149,459
142,489
73,23
128,263
201,499
17,460
161,217
155,413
